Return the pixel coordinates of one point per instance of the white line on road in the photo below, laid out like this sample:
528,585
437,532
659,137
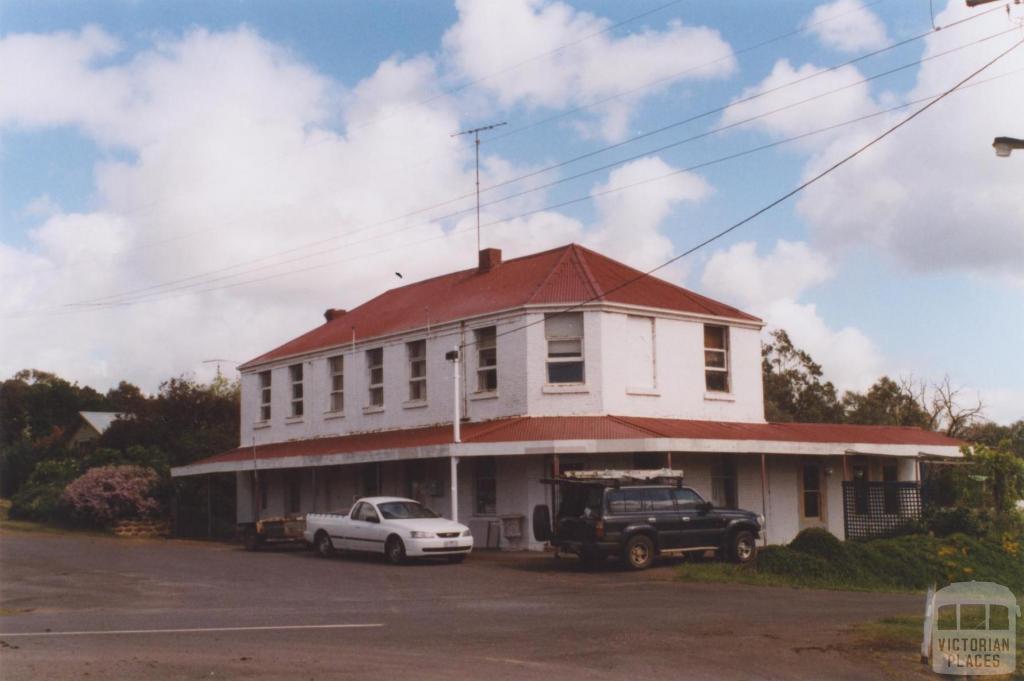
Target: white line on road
198,630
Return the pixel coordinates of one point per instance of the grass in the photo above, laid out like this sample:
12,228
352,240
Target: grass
907,563
9,525
904,634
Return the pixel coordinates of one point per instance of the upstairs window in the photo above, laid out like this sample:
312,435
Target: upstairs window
486,359
375,374
564,333
716,358
295,372
336,367
264,396
417,353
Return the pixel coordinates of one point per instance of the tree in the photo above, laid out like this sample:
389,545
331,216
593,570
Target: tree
886,403
1009,438
793,386
186,420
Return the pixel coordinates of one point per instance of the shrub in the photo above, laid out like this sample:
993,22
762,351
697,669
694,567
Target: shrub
40,498
817,541
110,493
956,520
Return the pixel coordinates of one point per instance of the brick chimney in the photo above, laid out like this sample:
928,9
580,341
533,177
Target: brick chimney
489,259
333,312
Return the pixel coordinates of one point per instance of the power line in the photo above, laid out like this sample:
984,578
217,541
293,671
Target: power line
588,197
521,129
207,278
796,190
480,79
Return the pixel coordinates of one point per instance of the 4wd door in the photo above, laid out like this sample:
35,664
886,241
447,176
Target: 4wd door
700,527
646,507
661,512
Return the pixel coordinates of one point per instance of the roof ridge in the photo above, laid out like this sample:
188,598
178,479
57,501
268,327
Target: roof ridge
543,282
696,298
576,251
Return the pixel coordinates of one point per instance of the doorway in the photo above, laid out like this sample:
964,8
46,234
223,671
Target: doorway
812,495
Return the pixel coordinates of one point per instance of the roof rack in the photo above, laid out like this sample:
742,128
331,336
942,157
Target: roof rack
621,477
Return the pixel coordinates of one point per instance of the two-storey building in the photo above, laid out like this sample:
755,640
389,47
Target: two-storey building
466,390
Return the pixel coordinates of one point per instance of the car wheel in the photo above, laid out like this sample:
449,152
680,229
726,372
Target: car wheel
323,545
743,547
251,539
639,552
457,558
395,551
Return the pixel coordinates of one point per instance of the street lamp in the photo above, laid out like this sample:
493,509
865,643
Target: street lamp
1004,145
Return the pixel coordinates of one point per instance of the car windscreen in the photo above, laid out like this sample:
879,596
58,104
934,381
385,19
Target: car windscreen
399,510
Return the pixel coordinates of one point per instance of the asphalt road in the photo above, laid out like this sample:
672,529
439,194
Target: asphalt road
225,613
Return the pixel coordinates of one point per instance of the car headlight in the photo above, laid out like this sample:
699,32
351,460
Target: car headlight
416,534
467,533
760,520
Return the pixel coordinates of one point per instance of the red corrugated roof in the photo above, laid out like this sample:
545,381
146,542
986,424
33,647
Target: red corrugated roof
566,275
544,428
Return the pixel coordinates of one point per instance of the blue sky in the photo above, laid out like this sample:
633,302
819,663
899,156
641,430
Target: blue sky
146,146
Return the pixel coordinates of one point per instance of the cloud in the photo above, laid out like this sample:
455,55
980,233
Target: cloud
740,275
771,285
630,221
933,196
579,63
849,100
847,26
230,148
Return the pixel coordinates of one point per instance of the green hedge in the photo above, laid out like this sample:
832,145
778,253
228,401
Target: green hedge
818,559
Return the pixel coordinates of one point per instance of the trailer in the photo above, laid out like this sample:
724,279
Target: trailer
273,531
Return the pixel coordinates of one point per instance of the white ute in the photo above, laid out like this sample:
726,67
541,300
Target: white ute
399,528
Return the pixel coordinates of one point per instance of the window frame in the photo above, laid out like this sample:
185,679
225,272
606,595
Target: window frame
486,339
725,474
417,383
375,391
485,470
297,400
336,395
565,359
725,369
266,395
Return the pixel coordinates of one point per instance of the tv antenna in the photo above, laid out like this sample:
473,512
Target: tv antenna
475,132
218,363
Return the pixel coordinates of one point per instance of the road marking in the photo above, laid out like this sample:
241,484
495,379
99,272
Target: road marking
197,630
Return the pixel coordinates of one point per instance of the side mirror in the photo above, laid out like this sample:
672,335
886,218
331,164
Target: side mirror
706,506
373,519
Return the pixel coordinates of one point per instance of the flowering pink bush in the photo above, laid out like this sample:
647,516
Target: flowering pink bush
108,493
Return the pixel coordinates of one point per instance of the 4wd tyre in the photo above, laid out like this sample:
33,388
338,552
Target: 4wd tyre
322,545
639,553
394,550
742,547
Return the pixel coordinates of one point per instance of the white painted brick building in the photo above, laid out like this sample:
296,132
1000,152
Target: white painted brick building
566,359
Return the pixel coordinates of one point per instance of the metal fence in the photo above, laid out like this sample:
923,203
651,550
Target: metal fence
879,509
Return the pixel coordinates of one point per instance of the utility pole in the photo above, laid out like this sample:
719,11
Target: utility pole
475,132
